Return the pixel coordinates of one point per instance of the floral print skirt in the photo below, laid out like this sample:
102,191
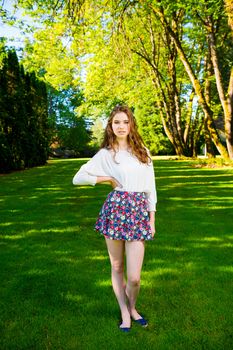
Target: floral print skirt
124,216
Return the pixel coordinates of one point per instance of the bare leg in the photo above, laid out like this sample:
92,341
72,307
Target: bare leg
134,257
116,250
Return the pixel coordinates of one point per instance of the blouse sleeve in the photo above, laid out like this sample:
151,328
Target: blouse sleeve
152,194
96,166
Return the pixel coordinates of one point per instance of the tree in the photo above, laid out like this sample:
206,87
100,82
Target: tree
210,16
23,119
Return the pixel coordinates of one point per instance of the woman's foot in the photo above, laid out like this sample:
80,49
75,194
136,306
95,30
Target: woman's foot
134,314
138,318
124,329
126,320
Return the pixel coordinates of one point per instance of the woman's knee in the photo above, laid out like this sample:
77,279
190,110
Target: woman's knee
118,267
134,281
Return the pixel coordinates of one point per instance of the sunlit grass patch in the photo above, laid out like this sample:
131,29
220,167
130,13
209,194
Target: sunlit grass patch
55,272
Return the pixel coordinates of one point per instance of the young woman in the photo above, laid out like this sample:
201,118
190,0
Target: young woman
127,218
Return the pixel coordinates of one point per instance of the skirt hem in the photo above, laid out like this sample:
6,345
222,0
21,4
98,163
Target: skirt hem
124,239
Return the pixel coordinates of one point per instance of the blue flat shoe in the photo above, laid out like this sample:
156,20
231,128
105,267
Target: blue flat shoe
142,322
124,329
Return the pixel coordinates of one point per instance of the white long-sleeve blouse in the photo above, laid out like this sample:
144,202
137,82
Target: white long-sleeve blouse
132,175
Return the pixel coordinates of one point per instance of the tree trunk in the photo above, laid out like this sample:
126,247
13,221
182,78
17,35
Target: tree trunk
189,116
172,139
222,96
209,74
169,123
229,123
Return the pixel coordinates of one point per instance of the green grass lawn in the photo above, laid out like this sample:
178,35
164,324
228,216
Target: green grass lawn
55,273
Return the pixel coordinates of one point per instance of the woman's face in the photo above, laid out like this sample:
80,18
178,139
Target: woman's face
121,125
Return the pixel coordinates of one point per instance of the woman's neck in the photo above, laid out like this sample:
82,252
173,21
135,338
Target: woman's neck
122,145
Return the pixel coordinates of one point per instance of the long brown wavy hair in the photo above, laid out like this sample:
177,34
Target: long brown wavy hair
135,142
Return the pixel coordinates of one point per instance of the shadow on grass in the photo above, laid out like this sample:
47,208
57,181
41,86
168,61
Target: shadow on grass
56,290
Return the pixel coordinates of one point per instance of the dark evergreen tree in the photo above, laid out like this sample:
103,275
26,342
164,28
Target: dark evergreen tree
6,161
23,116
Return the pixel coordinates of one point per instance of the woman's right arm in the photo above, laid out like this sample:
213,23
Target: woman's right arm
82,178
88,173
95,171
